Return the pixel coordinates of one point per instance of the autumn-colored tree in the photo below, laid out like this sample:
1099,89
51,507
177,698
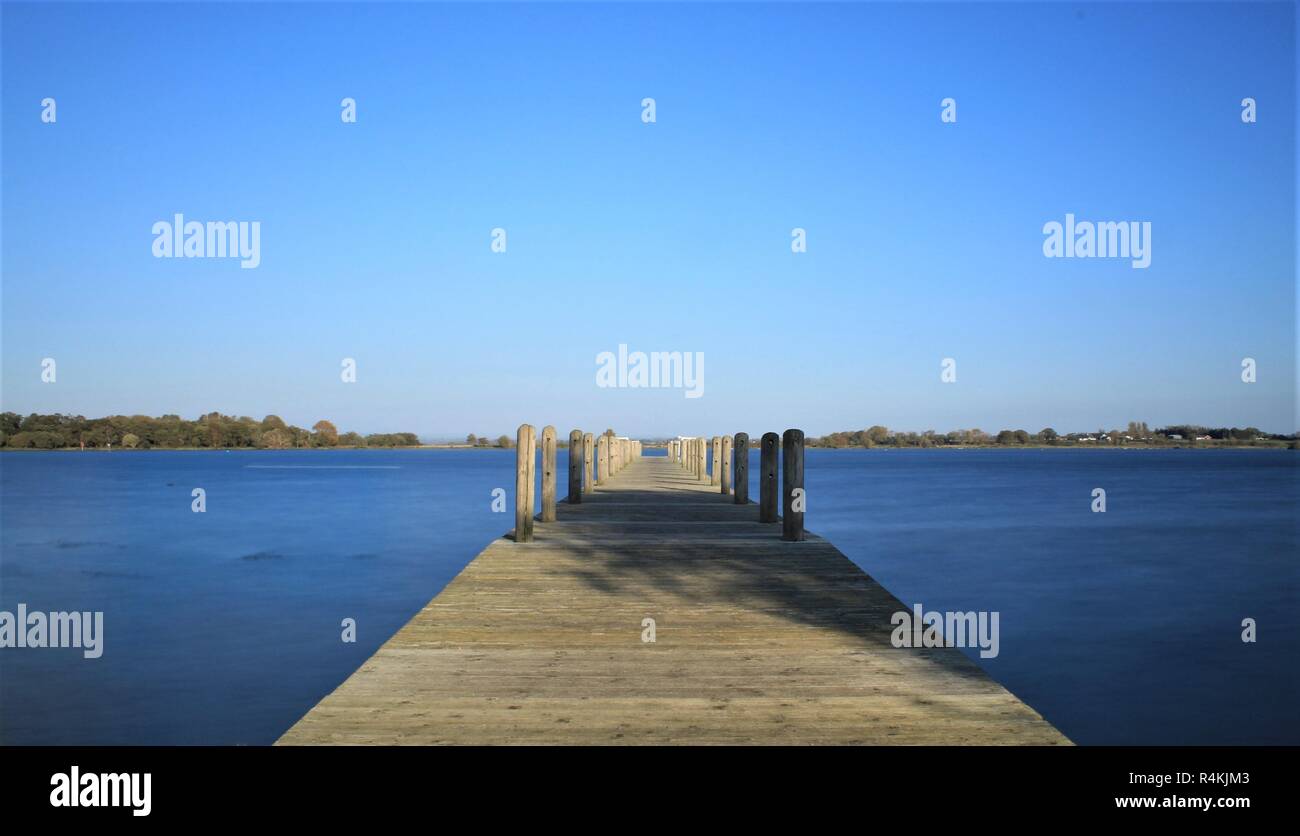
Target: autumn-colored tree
326,434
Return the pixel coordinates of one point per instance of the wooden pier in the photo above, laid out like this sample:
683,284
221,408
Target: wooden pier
657,609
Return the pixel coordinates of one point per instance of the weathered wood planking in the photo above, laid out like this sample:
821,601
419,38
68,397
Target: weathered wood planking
758,641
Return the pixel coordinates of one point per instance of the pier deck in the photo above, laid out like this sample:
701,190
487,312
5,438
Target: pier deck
757,641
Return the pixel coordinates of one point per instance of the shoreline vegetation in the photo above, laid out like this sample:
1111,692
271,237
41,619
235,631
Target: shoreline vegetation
1137,435
215,431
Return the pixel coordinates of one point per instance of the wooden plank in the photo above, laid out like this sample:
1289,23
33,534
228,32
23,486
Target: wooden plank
757,641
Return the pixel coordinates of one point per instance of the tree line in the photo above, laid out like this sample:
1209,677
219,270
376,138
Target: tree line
214,430
1136,432
508,443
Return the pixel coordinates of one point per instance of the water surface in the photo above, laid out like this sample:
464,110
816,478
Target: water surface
224,627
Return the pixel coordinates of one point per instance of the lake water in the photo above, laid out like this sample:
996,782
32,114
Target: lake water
224,627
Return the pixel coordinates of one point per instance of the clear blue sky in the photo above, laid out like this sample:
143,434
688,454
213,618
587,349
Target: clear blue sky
924,238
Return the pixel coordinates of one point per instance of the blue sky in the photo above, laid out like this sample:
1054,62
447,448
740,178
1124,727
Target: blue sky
924,238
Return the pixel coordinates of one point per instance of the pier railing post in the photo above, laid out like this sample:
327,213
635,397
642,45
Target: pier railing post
602,460
715,473
701,454
726,464
588,461
575,467
524,484
792,506
548,474
740,470
767,469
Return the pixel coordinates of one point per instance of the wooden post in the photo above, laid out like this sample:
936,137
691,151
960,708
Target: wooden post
575,467
767,478
532,479
715,475
792,481
726,464
548,474
524,484
741,468
588,461
602,460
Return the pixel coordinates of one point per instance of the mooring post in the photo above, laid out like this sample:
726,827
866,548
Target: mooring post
767,469
793,498
548,474
726,464
532,479
588,461
575,467
740,470
523,484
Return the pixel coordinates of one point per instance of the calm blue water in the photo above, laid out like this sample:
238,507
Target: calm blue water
223,627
